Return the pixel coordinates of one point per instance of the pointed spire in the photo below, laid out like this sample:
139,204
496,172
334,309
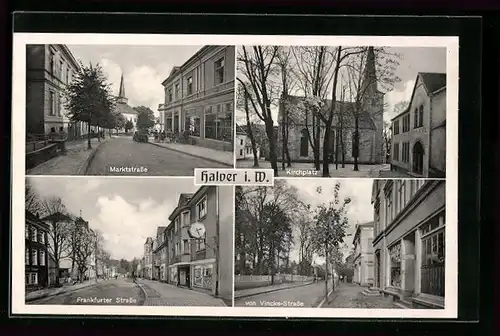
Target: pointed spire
370,75
121,94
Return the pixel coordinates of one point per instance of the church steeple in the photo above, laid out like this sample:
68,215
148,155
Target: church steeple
370,75
121,94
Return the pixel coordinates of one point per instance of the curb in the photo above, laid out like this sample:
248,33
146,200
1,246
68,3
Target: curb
270,291
193,155
83,169
57,294
322,302
143,292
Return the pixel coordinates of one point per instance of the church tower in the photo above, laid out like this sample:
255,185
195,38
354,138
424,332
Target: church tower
121,94
373,102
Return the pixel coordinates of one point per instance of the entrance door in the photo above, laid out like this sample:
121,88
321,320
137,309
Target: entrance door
377,269
188,277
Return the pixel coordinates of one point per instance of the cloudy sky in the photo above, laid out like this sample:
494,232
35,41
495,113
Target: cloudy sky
144,68
413,60
359,210
126,213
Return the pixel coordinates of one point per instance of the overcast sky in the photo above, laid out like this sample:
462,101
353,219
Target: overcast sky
413,60
144,68
359,210
125,210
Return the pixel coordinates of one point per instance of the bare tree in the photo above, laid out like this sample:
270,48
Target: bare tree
59,220
257,65
84,247
32,201
365,72
243,99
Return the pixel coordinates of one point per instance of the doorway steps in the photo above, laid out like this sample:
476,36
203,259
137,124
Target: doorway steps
371,292
404,304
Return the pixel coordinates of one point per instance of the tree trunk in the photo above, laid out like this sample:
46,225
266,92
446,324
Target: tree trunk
287,149
283,139
337,147
250,133
317,161
89,144
326,150
272,145
356,142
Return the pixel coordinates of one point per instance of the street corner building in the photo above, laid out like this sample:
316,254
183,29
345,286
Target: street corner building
409,241
49,69
369,122
419,132
362,259
36,253
199,98
201,263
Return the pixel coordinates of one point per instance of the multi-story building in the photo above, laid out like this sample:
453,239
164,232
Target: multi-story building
419,132
203,264
409,240
199,98
148,258
36,255
159,247
243,146
49,68
363,254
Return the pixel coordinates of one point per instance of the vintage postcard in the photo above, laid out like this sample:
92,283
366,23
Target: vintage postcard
238,176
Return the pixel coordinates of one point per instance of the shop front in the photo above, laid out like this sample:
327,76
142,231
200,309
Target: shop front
204,275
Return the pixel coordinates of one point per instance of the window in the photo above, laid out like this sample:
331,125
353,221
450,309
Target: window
185,246
421,116
68,70
415,118
177,91
41,237
406,152
177,224
219,71
177,249
406,123
59,105
42,258
190,85
52,103
33,234
241,142
27,232
396,126
402,194
34,257
241,151
201,208
170,97
27,257
32,278
51,62
61,66
395,264
192,123
218,123
433,256
186,219
396,152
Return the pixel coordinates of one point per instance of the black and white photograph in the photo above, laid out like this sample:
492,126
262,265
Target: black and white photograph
342,111
349,243
127,242
128,109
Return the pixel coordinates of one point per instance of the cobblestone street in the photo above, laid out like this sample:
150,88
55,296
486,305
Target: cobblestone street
162,294
349,295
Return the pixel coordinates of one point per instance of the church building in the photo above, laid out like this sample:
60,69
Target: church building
124,108
370,125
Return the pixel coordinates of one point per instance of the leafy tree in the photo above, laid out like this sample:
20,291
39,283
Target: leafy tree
89,97
128,125
119,122
83,249
145,117
329,229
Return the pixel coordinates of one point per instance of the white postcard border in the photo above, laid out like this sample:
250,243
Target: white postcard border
20,41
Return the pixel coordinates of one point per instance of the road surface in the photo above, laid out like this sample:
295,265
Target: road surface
146,159
113,292
350,295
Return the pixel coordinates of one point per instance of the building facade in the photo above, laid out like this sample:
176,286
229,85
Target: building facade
122,107
409,240
148,258
159,248
300,130
419,132
199,98
243,145
49,69
36,252
363,254
203,264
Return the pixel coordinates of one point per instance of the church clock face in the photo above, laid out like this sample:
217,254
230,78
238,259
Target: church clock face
197,230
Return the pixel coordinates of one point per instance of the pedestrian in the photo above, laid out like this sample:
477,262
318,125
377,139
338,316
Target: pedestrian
53,133
63,136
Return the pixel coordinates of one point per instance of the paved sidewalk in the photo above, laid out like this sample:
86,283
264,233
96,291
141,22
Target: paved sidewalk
267,289
48,292
348,295
223,157
162,294
73,163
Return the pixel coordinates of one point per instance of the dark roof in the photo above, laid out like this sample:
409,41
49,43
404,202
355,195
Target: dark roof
365,120
125,109
57,216
35,219
160,230
433,81
184,199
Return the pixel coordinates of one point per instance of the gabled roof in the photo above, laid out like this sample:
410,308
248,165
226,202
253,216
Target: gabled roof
125,109
184,199
160,230
149,240
433,81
